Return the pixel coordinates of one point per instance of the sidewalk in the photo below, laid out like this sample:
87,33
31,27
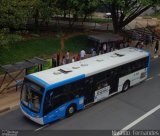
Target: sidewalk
9,101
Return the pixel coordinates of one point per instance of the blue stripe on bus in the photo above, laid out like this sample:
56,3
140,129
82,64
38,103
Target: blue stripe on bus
149,63
40,81
67,81
29,112
60,112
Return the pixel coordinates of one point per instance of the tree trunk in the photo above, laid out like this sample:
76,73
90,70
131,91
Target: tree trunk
36,19
84,19
119,23
114,18
64,14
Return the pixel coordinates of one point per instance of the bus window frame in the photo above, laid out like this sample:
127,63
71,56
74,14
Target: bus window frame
63,93
42,90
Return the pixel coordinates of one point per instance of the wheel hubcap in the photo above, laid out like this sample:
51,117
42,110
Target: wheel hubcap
71,110
126,87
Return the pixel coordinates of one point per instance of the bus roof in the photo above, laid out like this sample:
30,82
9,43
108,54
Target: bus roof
64,74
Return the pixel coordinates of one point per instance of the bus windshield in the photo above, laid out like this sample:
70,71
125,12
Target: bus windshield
31,96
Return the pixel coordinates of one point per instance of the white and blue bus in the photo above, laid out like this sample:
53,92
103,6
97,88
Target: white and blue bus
59,92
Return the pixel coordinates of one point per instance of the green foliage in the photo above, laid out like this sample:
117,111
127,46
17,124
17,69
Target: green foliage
100,20
44,48
76,8
41,9
8,39
14,13
124,11
88,7
77,43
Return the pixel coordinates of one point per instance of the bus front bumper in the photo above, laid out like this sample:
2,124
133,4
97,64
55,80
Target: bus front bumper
35,119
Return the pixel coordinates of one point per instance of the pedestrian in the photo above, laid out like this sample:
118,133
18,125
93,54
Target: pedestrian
58,59
153,36
150,39
121,45
67,57
137,44
141,45
63,60
92,50
100,52
54,61
146,39
93,53
134,35
156,48
108,48
104,48
78,57
82,54
73,59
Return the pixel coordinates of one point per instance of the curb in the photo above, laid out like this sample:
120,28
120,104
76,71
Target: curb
9,108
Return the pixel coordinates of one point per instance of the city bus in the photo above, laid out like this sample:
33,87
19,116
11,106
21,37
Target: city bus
59,92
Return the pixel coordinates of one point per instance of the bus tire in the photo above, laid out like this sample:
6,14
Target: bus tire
71,110
126,86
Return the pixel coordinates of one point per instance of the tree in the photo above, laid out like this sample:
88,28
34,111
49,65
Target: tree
124,11
74,9
88,7
13,13
41,10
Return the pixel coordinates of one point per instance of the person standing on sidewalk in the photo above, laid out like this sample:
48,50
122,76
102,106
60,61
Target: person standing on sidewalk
156,48
54,61
58,59
104,48
73,59
67,57
63,60
82,54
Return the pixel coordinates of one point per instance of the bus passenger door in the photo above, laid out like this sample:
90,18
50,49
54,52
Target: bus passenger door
113,81
88,91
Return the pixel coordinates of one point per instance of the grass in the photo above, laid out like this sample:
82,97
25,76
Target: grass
100,20
43,48
77,43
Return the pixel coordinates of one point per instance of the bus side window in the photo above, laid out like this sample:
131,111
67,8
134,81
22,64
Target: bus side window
122,71
129,68
59,100
107,74
47,103
71,90
78,88
101,84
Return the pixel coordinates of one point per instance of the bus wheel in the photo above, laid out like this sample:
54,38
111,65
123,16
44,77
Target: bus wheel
70,110
126,86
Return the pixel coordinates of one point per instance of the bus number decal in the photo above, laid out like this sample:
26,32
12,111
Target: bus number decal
101,94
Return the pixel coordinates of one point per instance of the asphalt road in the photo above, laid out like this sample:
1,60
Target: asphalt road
115,113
